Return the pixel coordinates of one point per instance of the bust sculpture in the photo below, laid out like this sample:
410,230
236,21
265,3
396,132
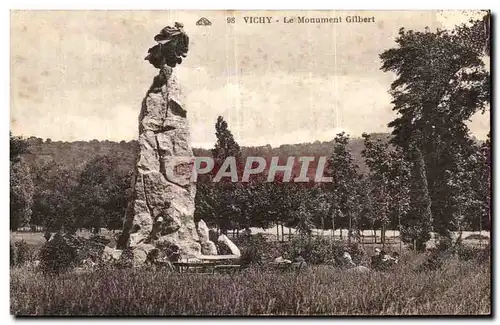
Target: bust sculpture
172,46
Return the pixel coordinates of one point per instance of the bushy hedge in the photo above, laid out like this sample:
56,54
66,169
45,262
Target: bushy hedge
64,251
438,257
257,249
322,250
22,253
467,253
58,254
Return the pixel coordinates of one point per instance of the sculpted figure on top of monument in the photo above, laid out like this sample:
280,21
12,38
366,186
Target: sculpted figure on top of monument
172,46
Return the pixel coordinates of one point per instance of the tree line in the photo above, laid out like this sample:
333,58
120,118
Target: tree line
49,194
430,176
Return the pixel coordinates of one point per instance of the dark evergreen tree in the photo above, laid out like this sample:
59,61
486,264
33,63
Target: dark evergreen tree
217,202
417,223
225,146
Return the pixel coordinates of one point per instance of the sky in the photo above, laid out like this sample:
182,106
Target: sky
81,75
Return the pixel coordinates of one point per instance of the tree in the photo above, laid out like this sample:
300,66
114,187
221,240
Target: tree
389,175
102,195
376,154
368,215
303,222
442,81
417,223
289,204
225,146
21,185
21,195
216,203
461,185
255,203
345,177
482,183
471,186
52,207
18,146
320,205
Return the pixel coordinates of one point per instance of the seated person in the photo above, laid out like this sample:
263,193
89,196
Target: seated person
376,259
348,262
387,260
395,257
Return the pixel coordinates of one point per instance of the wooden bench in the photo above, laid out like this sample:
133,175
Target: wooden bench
290,266
218,257
197,267
228,269
207,264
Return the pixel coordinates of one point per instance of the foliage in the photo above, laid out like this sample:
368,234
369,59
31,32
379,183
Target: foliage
59,254
21,184
52,199
22,253
21,195
437,258
417,223
64,251
96,198
101,196
216,202
256,249
481,183
441,82
18,147
344,197
225,146
388,191
321,250
477,254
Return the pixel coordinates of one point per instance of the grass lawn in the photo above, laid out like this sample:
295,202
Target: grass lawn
459,288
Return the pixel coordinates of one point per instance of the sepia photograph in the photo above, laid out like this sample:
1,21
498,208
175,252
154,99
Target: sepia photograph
250,163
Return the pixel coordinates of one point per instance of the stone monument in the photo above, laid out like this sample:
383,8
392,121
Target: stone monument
160,215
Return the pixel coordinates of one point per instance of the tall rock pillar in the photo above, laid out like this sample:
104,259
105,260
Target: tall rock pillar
161,211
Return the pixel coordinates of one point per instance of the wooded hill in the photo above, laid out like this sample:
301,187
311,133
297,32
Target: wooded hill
75,155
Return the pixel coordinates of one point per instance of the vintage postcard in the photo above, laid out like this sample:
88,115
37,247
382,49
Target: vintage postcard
250,163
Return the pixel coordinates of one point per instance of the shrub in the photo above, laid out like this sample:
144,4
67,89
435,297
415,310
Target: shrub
126,259
467,253
58,254
321,250
22,253
256,249
438,257
90,249
65,250
13,254
26,253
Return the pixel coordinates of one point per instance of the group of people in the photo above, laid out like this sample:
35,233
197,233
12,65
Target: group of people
381,260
